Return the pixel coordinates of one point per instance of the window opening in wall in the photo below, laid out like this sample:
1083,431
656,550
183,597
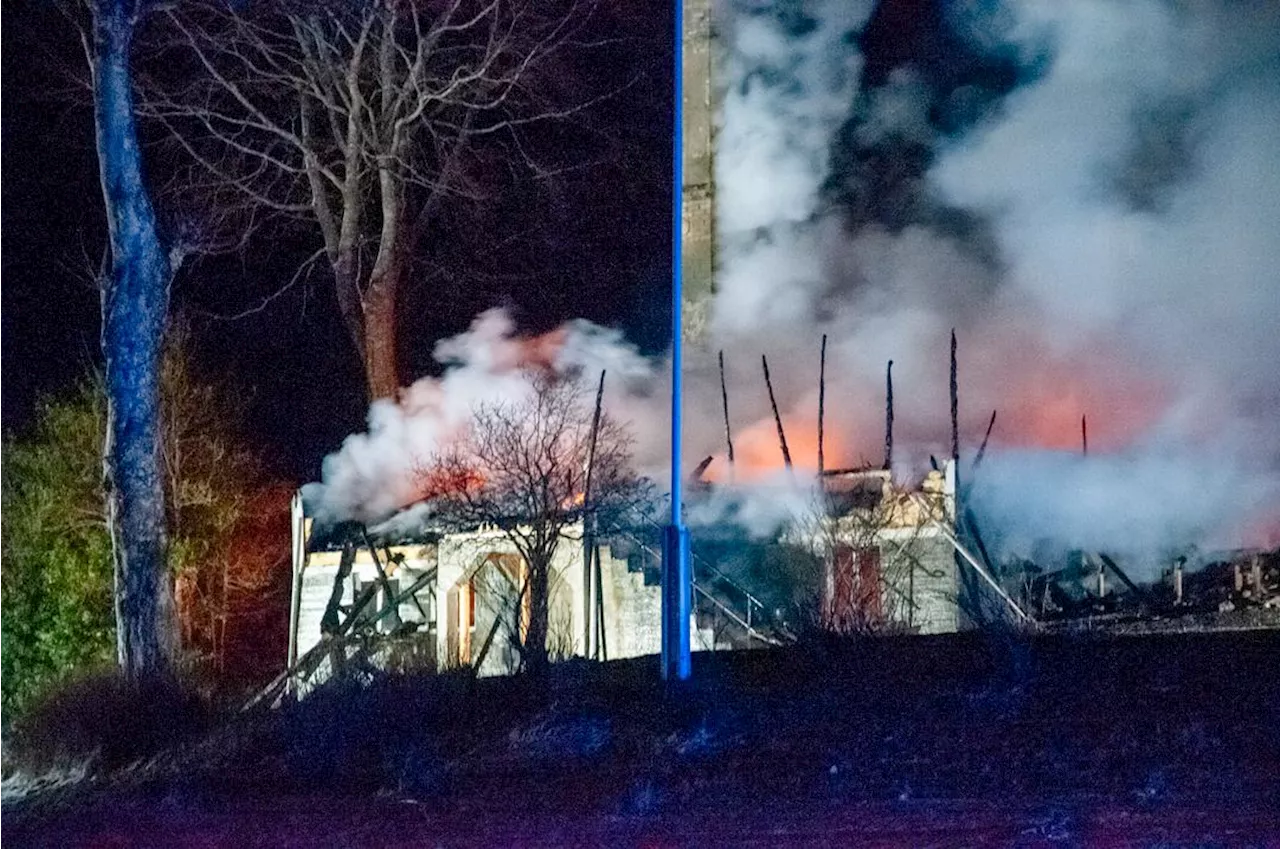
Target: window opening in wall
367,613
856,586
467,620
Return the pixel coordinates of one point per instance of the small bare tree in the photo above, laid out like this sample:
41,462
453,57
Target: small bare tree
522,468
362,120
221,509
865,533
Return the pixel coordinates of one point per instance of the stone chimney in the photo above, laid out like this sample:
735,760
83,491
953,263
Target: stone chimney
698,191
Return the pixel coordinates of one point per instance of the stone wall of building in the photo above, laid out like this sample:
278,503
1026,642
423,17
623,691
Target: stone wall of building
468,560
633,611
932,586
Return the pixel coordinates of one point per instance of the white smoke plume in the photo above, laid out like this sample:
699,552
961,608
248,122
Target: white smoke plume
376,473
761,508
1146,504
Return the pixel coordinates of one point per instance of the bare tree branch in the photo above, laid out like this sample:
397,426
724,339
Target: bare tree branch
522,468
338,115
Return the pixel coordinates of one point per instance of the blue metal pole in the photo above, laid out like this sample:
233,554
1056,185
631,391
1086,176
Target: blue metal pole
676,579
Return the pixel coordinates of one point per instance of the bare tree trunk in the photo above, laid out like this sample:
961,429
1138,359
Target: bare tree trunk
347,291
135,304
380,361
535,643
381,297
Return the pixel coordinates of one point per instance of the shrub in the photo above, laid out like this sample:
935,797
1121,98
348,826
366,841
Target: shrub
102,719
55,588
229,544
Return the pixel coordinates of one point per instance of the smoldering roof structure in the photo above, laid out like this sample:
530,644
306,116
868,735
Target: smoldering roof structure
416,523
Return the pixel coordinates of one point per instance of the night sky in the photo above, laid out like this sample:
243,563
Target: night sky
51,209
593,244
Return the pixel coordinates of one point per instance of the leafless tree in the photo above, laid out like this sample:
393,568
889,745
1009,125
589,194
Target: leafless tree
363,121
221,511
866,534
523,468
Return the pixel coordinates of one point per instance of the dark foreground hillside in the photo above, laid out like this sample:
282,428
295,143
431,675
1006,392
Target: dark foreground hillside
1170,740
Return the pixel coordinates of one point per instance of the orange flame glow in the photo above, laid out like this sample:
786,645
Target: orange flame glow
434,482
757,453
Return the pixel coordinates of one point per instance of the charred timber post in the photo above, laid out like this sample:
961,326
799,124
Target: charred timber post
602,647
971,587
1111,564
383,581
782,434
1124,578
822,397
329,623
724,399
888,416
971,526
955,402
493,630
588,520
982,449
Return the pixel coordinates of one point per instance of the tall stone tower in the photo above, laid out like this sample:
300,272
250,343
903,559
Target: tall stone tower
699,172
